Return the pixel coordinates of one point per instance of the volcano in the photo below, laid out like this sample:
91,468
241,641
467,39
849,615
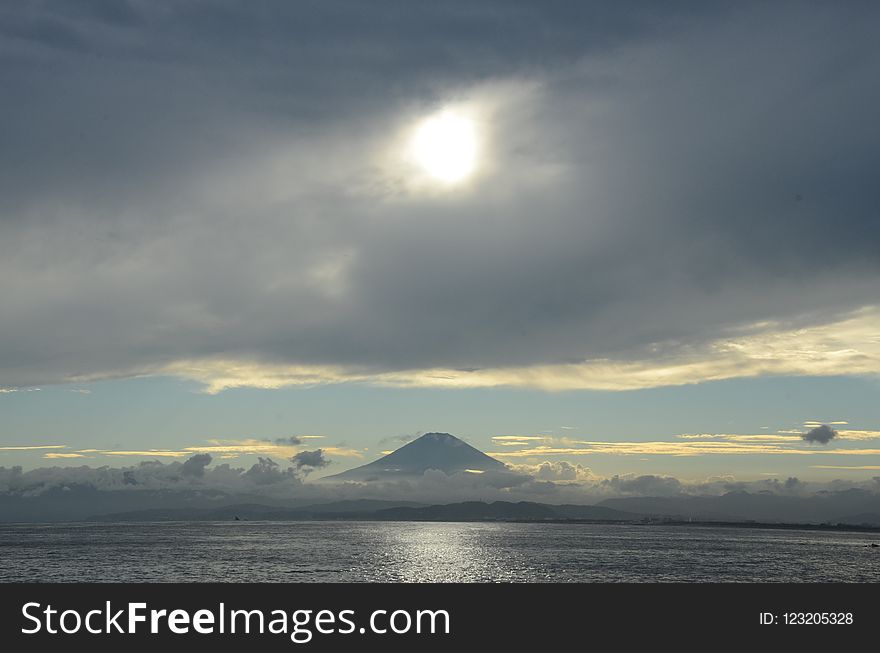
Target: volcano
440,451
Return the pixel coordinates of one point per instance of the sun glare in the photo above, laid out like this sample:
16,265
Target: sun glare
445,146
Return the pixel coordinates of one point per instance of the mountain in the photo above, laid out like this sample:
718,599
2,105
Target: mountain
440,451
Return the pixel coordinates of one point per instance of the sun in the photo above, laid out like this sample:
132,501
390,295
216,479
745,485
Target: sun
445,146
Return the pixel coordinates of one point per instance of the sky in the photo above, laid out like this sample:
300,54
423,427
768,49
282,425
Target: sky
655,251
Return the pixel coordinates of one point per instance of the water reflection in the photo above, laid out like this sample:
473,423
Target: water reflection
445,552
429,552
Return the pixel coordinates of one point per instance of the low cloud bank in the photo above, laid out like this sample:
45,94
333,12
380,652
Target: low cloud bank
193,473
85,491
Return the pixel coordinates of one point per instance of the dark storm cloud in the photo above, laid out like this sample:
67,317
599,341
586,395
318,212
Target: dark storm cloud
309,461
197,181
821,434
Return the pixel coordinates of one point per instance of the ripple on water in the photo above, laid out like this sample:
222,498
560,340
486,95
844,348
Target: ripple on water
429,552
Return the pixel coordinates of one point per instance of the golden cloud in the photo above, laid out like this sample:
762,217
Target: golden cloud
700,448
760,437
768,348
853,467
785,436
150,453
517,440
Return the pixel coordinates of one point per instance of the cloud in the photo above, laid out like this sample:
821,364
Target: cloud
291,440
248,446
556,471
821,434
787,435
733,437
518,440
647,485
91,490
735,446
266,477
148,453
612,240
195,466
343,451
817,350
280,447
403,439
309,461
265,472
853,434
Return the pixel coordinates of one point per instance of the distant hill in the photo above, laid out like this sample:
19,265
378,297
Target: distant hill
356,509
382,511
861,519
359,505
853,507
757,506
504,510
248,511
440,451
78,502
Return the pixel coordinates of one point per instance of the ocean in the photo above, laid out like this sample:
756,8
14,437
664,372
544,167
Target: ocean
353,551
